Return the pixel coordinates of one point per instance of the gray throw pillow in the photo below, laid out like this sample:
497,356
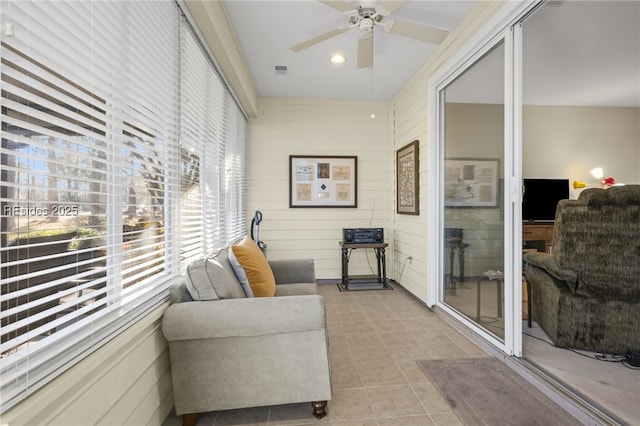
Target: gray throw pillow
198,282
208,279
240,274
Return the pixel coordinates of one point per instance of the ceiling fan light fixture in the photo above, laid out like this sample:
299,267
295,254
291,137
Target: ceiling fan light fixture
352,16
369,14
338,58
366,25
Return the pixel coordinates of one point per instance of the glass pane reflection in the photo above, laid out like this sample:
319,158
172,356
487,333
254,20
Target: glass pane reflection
473,247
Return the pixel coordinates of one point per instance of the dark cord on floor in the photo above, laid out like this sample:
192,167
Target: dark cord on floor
598,356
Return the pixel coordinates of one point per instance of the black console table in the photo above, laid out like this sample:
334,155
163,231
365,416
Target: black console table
382,265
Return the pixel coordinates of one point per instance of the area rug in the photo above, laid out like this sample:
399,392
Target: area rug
484,391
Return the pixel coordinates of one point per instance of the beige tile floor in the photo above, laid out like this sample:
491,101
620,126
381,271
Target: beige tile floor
375,339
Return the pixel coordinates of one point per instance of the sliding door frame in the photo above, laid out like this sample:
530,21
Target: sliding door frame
503,27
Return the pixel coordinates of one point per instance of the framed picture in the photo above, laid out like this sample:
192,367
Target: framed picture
407,189
471,182
323,181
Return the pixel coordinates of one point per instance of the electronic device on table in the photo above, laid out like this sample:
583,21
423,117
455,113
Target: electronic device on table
362,235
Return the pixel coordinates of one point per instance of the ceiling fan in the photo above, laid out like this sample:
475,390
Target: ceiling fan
365,17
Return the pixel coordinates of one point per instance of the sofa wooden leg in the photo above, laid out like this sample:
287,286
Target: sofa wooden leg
189,419
319,409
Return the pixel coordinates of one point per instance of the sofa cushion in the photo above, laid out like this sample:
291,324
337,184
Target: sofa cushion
288,271
248,260
297,289
210,279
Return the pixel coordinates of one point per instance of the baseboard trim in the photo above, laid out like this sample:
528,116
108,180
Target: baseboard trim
334,281
328,281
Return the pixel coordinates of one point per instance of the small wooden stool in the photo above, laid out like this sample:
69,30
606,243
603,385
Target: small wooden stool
490,275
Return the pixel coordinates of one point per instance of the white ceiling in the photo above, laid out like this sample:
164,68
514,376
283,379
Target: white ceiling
576,52
583,53
265,30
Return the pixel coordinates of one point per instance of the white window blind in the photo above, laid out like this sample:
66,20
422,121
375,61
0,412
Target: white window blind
89,151
195,113
213,137
99,202
191,208
236,177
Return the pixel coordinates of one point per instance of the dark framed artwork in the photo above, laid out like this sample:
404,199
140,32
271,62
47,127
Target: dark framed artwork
471,182
323,181
407,182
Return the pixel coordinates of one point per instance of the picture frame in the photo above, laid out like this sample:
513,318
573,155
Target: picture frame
471,182
407,179
323,181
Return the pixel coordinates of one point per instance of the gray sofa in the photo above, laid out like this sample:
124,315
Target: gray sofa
232,351
586,294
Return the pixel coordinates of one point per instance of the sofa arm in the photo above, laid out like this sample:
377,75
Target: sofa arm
290,271
258,316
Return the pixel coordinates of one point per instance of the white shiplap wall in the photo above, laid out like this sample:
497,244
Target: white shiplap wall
319,127
409,109
286,127
125,382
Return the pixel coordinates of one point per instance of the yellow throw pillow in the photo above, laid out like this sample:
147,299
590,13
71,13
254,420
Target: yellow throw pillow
255,266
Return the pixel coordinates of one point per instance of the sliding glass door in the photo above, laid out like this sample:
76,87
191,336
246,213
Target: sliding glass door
472,140
547,90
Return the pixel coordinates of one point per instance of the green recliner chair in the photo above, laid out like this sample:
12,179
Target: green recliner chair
586,293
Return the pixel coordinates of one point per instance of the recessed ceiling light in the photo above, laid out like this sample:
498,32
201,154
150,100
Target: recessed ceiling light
337,59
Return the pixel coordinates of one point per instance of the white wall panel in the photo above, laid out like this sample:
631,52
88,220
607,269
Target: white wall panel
409,108
318,127
126,382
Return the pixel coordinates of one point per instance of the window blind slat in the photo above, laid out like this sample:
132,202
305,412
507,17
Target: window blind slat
86,144
66,118
15,66
78,33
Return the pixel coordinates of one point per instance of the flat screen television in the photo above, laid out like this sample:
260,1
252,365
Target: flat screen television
541,197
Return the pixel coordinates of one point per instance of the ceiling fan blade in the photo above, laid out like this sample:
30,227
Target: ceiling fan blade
391,5
365,50
415,31
342,6
319,38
